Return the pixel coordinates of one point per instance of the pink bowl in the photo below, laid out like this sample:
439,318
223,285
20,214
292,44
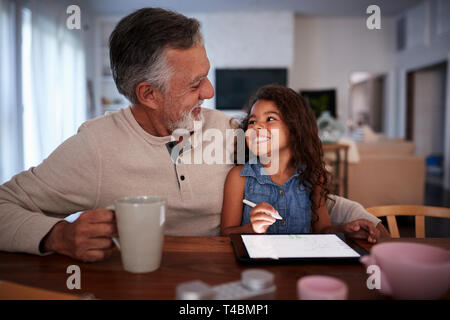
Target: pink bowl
321,288
411,270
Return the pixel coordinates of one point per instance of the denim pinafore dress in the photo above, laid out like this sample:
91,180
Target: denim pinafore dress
290,200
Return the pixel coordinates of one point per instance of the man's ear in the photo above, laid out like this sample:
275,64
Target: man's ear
148,95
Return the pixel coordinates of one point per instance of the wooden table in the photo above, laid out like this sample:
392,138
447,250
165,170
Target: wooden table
210,259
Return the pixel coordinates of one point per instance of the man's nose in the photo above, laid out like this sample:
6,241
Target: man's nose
207,90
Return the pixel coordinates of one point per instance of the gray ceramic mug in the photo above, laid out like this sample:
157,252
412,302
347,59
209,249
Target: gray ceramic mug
140,223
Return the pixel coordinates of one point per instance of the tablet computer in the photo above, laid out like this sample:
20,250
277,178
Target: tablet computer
295,248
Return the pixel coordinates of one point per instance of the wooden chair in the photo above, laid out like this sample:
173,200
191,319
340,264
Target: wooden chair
420,212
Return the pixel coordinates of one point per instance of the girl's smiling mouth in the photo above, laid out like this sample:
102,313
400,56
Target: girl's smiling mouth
261,139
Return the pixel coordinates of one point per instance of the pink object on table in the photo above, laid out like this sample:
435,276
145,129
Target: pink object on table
411,270
321,288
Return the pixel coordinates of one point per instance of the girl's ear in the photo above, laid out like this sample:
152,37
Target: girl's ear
149,95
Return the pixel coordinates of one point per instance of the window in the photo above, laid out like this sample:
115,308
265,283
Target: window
31,152
48,103
10,132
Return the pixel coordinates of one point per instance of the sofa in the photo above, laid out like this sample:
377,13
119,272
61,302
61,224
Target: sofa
387,173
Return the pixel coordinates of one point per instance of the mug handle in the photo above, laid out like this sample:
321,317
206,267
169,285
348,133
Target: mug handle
114,239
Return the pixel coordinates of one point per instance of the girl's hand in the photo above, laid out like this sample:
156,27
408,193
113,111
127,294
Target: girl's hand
260,217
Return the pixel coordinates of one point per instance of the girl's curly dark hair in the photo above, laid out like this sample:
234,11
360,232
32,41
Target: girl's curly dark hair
304,138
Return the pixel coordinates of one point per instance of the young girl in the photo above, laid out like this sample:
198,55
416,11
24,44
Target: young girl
288,179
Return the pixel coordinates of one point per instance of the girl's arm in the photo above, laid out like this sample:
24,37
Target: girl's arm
323,224
260,218
232,204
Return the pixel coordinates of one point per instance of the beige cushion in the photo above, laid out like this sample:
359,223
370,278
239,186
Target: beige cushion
386,148
387,180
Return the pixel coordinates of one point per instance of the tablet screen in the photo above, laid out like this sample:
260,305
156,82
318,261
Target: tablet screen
297,246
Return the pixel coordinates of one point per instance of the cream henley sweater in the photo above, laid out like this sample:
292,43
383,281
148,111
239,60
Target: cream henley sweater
112,157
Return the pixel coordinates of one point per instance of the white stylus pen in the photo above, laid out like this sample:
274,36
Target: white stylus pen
252,204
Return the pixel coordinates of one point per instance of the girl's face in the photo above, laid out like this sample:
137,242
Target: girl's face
267,133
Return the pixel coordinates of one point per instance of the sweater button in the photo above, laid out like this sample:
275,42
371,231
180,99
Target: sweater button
281,191
182,178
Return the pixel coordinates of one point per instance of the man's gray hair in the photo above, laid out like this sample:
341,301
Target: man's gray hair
138,48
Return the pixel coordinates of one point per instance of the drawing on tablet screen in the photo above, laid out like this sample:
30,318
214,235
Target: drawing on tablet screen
297,246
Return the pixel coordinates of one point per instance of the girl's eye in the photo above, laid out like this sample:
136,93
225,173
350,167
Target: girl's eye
251,122
271,118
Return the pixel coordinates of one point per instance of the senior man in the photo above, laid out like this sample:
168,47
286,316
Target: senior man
160,64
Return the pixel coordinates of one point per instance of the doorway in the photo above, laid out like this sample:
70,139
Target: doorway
425,117
367,100
425,126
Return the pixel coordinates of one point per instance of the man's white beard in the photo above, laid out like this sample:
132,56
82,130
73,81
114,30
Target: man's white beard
187,119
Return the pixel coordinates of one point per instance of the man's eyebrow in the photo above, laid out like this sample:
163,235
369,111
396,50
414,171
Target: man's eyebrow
199,78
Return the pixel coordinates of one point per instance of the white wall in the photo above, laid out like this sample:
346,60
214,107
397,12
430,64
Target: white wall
247,40
427,43
328,50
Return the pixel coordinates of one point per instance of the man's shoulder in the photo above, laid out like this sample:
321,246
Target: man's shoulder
105,123
218,119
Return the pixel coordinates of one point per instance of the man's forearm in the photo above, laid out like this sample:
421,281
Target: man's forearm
66,182
343,211
53,238
21,229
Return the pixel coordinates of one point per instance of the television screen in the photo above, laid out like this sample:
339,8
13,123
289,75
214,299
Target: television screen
321,100
234,87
